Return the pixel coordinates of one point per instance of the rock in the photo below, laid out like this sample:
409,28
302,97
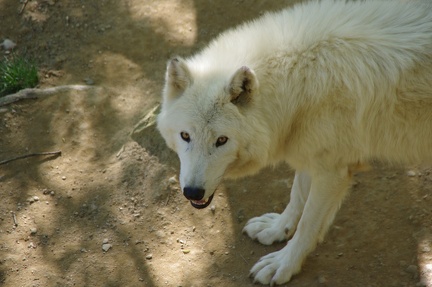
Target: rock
150,256
106,247
33,230
322,279
7,45
36,198
213,208
105,241
160,234
172,180
411,173
89,81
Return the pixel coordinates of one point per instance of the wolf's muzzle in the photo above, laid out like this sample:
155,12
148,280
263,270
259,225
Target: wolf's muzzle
195,196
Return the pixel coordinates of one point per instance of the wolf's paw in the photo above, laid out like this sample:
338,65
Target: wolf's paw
268,228
275,268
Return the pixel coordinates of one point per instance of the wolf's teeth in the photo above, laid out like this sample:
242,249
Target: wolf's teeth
200,202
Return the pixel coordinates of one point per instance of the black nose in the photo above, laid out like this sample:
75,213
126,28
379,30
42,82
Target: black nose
193,193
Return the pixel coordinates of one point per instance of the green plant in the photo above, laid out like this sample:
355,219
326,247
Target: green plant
17,73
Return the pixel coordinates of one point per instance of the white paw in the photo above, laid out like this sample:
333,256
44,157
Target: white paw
268,228
276,268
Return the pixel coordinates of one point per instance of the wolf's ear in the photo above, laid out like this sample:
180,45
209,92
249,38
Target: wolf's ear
243,85
177,78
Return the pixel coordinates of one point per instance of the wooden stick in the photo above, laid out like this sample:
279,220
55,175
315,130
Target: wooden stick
37,93
55,153
14,219
23,6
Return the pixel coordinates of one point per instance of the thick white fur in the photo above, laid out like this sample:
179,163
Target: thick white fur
323,86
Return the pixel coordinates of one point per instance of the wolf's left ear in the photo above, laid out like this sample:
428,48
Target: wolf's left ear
177,78
242,86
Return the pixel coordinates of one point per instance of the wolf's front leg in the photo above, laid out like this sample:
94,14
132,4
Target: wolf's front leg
326,194
273,227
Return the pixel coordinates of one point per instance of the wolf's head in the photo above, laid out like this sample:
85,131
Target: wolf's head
204,120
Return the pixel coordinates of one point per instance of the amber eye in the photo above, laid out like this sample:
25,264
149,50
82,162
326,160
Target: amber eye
185,136
221,141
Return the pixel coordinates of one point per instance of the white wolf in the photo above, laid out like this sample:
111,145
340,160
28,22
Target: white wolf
324,86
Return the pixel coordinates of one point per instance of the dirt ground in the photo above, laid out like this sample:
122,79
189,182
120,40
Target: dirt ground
114,186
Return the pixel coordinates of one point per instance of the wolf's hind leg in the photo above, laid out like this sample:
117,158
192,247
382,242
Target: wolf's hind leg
274,227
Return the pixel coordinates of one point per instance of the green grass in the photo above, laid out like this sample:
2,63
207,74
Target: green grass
17,73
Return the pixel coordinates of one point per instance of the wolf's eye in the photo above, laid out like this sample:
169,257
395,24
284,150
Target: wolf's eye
221,141
185,136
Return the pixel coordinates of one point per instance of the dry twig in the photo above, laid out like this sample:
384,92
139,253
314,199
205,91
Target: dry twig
53,153
23,6
38,93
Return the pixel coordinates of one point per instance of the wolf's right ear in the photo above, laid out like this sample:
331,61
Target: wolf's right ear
177,78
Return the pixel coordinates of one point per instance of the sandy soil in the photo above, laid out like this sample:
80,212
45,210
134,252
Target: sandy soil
113,186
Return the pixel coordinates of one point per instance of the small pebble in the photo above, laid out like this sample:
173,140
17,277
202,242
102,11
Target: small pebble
33,230
36,198
426,249
172,180
150,256
89,81
7,45
322,279
213,208
411,173
105,241
186,251
106,247
64,177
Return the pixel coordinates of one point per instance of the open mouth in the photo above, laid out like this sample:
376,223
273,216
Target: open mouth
203,203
